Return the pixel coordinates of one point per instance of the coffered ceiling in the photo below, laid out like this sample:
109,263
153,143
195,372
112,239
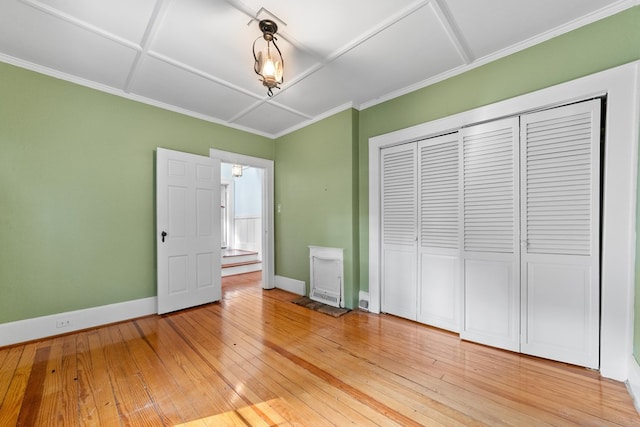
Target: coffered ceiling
194,56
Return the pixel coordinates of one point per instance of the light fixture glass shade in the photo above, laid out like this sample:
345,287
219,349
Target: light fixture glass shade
269,64
270,67
236,170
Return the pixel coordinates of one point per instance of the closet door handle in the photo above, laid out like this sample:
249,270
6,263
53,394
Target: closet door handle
163,234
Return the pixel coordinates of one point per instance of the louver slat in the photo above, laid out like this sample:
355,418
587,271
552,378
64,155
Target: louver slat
439,201
558,181
488,191
399,197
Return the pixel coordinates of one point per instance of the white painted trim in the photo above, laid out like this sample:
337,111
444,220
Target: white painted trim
621,85
268,245
231,212
291,285
633,383
45,326
241,269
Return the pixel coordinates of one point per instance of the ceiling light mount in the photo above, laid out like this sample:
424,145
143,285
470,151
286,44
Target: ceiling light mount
268,28
269,64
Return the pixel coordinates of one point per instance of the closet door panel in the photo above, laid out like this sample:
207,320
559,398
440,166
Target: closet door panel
439,296
560,232
399,276
559,309
399,230
489,197
493,306
439,285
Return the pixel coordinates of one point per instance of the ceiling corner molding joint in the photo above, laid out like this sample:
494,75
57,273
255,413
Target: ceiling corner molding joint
453,31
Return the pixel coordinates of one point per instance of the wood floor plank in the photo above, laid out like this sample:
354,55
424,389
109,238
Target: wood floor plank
427,381
97,403
18,390
67,410
257,359
245,352
133,402
152,373
377,393
193,379
362,396
588,406
9,359
555,419
34,391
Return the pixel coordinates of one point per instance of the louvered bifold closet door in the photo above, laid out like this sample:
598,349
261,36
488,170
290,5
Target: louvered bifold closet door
490,222
560,233
439,293
399,230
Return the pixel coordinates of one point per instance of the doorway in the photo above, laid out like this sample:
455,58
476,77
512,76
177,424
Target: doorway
241,214
253,230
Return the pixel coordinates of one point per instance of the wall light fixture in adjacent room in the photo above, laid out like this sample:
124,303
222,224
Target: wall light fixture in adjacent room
236,170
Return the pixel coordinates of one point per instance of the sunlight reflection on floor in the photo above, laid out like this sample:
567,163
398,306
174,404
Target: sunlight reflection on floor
261,414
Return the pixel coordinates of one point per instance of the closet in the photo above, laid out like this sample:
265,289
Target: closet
493,231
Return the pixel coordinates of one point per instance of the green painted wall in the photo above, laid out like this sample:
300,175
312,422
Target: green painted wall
77,191
599,46
316,192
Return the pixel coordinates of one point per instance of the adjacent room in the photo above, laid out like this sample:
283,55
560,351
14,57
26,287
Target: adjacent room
452,186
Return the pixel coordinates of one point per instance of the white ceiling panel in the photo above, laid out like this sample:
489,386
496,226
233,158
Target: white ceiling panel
321,91
492,25
412,50
195,56
216,35
32,35
184,89
123,18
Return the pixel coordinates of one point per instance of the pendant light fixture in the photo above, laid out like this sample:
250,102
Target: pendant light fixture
269,64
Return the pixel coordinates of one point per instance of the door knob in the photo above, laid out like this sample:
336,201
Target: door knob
163,234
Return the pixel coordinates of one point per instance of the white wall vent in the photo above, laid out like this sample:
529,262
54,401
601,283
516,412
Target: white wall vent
326,273
363,301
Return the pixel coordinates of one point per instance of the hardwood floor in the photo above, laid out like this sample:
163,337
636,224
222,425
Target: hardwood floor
256,359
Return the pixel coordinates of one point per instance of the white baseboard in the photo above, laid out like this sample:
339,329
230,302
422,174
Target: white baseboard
291,285
46,326
363,300
633,382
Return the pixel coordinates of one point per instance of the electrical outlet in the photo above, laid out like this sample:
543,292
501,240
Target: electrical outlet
63,323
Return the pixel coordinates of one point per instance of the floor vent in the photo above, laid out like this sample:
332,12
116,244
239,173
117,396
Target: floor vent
330,299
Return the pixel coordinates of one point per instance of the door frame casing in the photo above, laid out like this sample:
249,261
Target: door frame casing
268,246
620,85
230,210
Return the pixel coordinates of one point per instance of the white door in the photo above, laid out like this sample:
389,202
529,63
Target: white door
399,231
490,230
560,233
439,293
188,229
